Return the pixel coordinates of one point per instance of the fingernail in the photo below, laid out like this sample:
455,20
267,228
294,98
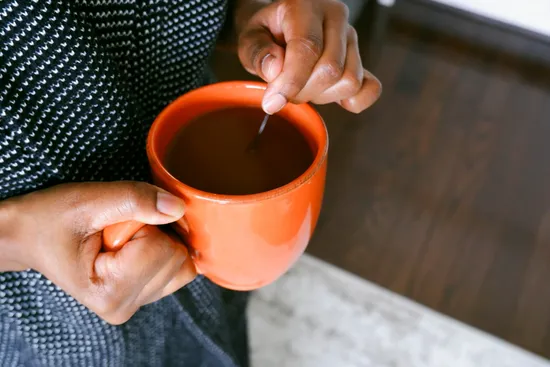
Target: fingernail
267,67
170,205
274,103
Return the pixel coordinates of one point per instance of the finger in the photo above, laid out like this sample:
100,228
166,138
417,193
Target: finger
370,92
153,291
259,53
115,202
302,27
352,79
329,69
131,268
116,235
121,276
184,276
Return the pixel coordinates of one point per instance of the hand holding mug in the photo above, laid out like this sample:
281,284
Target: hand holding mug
58,232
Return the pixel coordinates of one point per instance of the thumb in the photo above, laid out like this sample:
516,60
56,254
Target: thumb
259,53
116,202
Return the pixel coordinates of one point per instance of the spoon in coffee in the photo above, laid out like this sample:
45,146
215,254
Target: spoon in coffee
254,143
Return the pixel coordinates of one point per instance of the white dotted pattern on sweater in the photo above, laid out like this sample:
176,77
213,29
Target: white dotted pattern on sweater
66,115
80,83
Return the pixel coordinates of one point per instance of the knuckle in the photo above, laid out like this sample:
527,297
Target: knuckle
107,304
139,188
133,196
332,70
291,89
351,84
159,247
312,45
250,53
342,9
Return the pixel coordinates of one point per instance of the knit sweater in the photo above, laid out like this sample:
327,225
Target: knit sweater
80,83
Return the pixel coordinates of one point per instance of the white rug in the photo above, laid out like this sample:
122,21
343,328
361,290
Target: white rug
320,316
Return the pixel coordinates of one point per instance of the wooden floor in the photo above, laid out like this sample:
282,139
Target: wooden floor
441,192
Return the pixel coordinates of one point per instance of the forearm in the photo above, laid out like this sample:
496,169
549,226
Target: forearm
239,12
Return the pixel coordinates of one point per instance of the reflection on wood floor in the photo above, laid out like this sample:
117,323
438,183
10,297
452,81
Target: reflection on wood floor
441,191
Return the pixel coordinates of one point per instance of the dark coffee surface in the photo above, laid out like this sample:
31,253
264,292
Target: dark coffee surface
210,153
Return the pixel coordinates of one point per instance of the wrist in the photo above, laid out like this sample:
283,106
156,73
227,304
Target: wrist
11,252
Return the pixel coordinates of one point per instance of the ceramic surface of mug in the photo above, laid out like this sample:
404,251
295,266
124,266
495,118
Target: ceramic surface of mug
241,242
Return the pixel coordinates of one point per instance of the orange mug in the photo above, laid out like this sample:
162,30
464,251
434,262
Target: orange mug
239,242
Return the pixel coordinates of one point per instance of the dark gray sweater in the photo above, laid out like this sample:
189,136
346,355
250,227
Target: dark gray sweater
80,83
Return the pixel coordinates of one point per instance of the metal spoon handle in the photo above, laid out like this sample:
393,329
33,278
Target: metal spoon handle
264,123
254,143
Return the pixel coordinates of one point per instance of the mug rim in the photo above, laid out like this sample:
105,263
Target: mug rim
301,180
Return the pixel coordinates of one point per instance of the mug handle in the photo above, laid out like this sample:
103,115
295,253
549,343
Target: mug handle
116,235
